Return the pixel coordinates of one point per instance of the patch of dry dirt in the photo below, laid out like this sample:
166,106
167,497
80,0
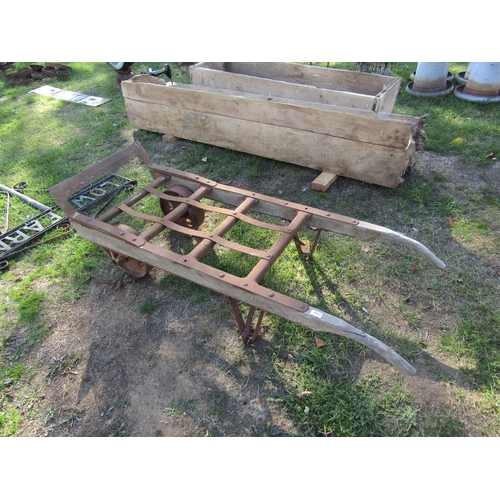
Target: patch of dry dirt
106,369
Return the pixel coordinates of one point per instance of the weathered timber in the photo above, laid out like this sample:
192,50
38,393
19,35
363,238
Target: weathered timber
298,81
324,181
384,129
373,147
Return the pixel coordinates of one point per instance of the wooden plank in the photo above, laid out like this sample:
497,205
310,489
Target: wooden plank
387,100
363,161
274,303
214,65
324,181
335,86
268,87
384,129
325,78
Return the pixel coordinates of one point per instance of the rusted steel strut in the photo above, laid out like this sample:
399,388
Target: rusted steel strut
184,199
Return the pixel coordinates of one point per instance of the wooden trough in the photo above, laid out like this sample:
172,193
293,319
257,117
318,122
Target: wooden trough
184,199
340,132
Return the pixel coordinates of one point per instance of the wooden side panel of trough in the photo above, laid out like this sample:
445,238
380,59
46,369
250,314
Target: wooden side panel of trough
296,81
385,129
367,146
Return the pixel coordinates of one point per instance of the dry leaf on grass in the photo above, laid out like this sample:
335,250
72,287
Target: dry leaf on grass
304,394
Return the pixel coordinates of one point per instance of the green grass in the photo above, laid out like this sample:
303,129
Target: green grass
146,307
180,407
477,336
14,379
46,141
343,407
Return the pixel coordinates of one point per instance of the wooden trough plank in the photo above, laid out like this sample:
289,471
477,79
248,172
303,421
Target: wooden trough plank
385,129
325,78
390,95
267,87
363,161
329,85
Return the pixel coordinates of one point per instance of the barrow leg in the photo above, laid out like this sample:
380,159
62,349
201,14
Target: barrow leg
304,248
248,332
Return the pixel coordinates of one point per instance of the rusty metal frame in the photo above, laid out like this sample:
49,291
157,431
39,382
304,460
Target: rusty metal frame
247,289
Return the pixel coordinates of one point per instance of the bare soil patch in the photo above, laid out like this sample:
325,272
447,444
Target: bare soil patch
179,370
